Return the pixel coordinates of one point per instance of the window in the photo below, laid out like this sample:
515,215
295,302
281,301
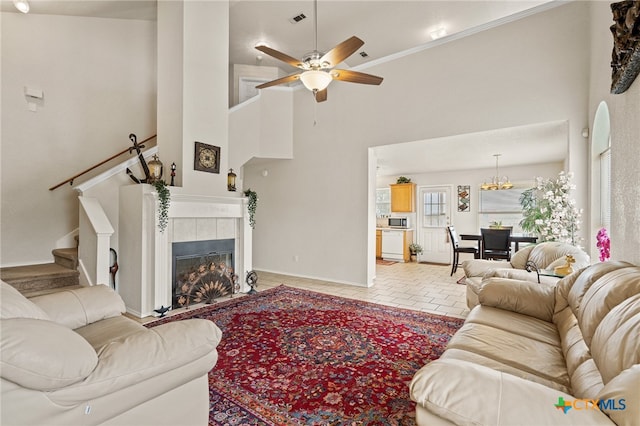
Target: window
383,202
605,188
435,209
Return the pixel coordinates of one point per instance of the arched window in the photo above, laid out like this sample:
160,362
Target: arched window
601,173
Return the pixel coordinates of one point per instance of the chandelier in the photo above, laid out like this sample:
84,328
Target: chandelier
497,182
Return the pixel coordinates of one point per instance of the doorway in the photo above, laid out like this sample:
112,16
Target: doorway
434,214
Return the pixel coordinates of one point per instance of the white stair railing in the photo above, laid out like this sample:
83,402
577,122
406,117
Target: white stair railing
95,235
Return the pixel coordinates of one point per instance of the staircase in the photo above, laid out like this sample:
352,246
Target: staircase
35,280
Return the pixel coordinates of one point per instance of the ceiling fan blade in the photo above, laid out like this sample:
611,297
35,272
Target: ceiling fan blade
342,51
281,56
321,95
355,77
287,79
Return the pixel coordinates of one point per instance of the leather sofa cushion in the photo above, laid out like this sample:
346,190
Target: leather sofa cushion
513,322
81,306
15,305
520,258
478,267
615,345
624,386
457,354
465,393
189,345
544,254
44,355
524,297
104,332
599,298
534,356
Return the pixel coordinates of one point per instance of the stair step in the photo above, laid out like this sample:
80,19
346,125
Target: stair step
34,293
37,278
67,257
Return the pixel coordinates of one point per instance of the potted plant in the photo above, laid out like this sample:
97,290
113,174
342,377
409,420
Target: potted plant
415,249
403,179
549,212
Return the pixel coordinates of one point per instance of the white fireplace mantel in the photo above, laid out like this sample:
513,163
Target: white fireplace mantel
145,273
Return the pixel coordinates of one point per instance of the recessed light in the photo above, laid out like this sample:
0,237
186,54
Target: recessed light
21,5
438,33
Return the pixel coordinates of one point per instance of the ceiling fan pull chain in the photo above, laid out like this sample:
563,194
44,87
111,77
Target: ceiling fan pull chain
315,109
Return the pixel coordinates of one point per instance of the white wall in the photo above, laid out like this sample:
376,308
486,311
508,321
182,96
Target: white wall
625,139
317,205
249,71
206,91
98,78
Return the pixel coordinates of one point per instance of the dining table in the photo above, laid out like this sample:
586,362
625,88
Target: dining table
515,239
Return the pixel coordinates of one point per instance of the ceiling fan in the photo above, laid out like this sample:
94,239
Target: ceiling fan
318,68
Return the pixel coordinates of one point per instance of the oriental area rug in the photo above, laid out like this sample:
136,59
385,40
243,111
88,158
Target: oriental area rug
297,357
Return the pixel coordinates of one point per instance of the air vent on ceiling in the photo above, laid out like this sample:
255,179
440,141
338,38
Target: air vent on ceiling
364,54
297,18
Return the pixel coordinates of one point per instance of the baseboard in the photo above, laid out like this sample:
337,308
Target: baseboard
330,280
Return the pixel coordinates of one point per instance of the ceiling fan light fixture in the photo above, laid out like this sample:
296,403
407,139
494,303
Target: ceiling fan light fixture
21,5
315,80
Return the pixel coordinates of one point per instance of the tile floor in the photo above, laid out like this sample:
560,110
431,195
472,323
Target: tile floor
419,286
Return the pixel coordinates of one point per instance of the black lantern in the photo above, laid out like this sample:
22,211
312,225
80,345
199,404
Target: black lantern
231,181
173,173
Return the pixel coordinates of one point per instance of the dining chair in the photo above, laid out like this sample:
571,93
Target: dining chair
496,243
455,244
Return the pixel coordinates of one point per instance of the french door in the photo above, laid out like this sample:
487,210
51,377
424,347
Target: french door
434,214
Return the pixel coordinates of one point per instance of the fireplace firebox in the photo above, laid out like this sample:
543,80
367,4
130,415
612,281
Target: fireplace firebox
202,271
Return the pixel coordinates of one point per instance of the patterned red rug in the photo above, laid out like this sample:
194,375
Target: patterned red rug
296,357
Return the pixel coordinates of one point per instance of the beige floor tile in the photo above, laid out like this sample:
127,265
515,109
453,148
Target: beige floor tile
417,286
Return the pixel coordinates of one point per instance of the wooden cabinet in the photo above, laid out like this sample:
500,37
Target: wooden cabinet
408,239
379,244
403,197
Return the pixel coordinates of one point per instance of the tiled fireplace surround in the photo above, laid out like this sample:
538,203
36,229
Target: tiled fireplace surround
192,217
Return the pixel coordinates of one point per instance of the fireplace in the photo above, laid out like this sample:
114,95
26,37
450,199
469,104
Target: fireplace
148,276
202,271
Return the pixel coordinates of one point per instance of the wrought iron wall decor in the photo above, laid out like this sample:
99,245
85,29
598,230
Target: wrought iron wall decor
464,198
207,158
625,58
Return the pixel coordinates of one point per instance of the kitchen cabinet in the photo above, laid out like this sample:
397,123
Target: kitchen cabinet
379,243
403,197
395,244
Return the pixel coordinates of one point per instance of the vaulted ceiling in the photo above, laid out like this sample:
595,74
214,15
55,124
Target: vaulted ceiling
386,26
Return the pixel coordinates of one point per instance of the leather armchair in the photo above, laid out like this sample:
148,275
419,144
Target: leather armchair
546,255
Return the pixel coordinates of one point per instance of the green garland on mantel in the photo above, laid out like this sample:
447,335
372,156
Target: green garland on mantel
164,199
251,207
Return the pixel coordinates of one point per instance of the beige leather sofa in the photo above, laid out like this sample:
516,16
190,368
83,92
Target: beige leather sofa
541,355
72,358
545,255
